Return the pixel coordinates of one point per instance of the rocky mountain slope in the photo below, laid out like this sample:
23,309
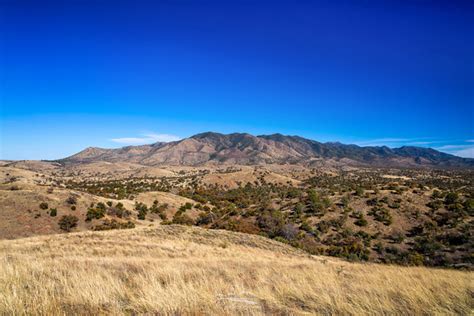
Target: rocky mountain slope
246,149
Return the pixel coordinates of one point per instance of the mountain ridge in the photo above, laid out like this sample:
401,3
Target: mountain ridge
247,149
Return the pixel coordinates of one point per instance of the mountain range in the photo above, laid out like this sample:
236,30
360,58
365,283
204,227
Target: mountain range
246,149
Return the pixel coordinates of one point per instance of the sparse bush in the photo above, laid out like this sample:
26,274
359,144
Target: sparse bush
361,221
72,200
382,215
43,206
94,213
114,224
182,219
53,212
68,222
451,198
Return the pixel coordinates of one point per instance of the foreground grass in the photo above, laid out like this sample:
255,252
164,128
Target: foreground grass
186,270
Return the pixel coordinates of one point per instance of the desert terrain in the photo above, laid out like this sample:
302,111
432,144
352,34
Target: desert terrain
175,269
94,235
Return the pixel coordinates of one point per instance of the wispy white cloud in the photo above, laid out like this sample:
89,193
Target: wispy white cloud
421,143
383,141
396,142
453,147
469,140
466,151
146,139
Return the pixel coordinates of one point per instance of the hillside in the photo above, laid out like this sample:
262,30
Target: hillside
246,149
27,200
183,270
408,217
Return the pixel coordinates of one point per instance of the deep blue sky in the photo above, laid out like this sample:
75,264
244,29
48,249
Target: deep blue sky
107,73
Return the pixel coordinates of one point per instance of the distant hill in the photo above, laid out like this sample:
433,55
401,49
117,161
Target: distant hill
246,149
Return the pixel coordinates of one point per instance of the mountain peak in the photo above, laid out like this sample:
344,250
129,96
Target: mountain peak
246,149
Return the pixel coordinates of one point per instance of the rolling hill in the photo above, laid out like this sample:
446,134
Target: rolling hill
178,270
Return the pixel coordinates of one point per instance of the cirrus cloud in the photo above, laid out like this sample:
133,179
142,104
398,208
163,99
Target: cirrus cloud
146,139
465,151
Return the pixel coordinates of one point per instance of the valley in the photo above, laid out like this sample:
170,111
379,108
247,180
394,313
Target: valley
383,215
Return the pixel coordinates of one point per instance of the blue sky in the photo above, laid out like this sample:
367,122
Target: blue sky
103,73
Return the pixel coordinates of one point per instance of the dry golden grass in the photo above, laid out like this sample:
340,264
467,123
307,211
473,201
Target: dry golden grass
188,270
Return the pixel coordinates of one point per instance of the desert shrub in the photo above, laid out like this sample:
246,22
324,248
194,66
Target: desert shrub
317,205
73,207
101,206
68,222
361,221
426,245
163,216
394,205
469,206
345,201
119,212
245,226
454,238
372,202
182,219
114,224
308,244
398,237
53,212
436,194
289,231
43,206
142,210
306,227
451,198
382,215
206,218
351,249
271,222
323,226
435,205
141,214
95,213
71,200
359,191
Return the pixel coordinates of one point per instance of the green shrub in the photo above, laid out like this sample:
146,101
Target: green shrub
451,198
361,221
68,222
113,224
382,215
94,213
182,219
53,212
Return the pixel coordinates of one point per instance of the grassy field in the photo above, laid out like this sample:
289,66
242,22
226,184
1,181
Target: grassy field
188,270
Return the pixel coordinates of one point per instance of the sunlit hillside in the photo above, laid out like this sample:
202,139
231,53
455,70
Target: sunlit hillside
188,270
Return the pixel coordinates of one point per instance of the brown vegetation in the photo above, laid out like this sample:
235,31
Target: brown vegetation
187,270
